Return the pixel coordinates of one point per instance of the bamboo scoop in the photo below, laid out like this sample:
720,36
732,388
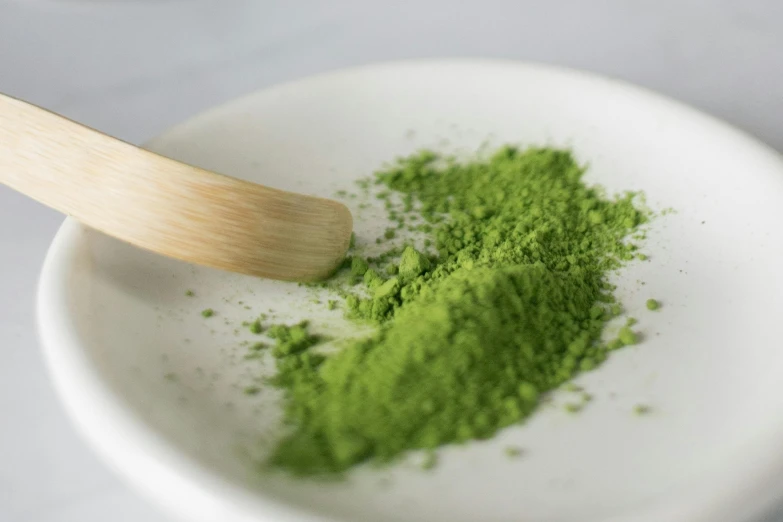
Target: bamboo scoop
165,206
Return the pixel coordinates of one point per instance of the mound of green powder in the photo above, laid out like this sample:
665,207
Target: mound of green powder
511,303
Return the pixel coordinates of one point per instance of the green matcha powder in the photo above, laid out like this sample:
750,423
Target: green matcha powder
508,302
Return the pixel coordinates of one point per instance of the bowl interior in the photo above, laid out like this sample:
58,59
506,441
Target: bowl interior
132,346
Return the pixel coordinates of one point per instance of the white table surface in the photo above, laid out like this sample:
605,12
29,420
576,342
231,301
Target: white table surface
134,68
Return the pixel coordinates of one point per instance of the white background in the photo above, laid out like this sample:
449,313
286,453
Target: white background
133,68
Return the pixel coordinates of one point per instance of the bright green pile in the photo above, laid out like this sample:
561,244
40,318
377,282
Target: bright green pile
512,305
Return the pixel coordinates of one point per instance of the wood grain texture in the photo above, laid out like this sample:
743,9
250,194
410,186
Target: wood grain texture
166,206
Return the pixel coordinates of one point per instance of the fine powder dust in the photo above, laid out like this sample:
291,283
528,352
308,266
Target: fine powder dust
507,300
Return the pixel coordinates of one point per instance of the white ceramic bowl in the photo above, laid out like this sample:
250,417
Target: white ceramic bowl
157,389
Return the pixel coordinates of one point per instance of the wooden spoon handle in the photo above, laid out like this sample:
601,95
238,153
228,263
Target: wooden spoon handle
72,168
166,206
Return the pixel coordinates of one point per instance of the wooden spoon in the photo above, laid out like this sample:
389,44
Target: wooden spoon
165,206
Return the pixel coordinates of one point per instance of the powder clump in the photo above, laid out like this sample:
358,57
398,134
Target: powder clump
291,339
509,303
412,263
